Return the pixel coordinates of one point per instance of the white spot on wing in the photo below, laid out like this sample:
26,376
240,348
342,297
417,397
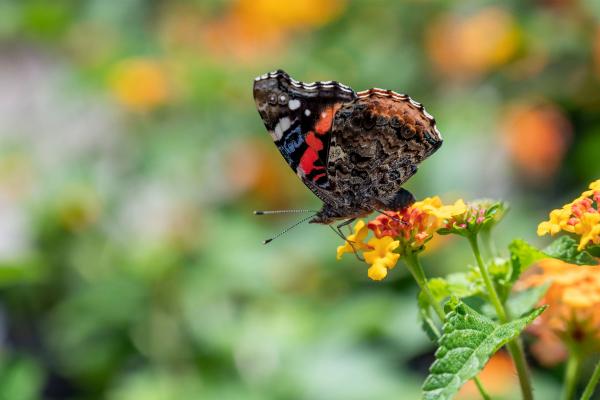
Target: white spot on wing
307,112
282,126
294,104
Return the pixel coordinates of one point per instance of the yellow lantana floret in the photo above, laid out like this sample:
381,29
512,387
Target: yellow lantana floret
382,257
581,217
357,239
434,206
589,229
558,220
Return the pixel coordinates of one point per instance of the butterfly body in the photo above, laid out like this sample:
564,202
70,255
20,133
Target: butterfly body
353,150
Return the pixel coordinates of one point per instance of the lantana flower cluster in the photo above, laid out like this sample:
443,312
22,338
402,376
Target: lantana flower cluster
580,217
573,315
396,234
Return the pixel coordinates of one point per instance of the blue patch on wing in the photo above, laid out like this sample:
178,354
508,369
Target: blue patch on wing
290,145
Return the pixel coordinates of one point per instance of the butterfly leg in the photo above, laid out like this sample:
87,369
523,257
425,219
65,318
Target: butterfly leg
345,223
393,217
338,231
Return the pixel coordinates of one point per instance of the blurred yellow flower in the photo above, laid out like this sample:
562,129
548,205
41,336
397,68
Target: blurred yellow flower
139,84
252,27
382,257
573,316
581,217
471,45
356,240
268,15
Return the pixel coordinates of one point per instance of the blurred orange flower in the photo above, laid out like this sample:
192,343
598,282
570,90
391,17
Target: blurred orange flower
573,315
249,169
252,26
537,138
466,46
498,377
139,84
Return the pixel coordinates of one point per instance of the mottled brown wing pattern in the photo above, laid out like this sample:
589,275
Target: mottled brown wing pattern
378,140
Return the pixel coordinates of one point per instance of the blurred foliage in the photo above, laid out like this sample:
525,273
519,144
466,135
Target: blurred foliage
131,157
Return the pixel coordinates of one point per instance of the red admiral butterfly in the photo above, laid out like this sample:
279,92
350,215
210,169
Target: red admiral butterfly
353,150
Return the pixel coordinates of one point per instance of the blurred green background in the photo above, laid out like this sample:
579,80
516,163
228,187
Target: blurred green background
131,158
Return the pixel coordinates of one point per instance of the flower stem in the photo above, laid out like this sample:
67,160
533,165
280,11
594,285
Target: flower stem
571,374
487,243
416,269
591,385
514,347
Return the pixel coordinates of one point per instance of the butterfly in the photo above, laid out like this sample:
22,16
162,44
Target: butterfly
353,150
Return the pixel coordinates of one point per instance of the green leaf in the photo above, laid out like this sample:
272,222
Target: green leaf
565,249
520,302
468,342
523,301
522,255
594,250
459,284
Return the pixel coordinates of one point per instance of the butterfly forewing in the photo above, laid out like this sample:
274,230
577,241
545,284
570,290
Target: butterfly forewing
299,117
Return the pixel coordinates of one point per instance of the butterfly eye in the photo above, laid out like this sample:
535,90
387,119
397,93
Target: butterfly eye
272,99
283,99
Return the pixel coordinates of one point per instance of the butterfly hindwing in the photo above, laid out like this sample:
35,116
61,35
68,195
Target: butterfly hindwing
377,142
299,117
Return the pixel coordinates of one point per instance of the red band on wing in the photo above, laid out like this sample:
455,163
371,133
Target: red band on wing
313,141
307,161
318,176
311,155
325,121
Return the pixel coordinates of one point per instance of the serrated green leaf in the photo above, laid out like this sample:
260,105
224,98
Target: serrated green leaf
468,342
565,249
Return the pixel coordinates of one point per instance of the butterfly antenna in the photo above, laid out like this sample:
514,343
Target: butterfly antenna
286,230
270,212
